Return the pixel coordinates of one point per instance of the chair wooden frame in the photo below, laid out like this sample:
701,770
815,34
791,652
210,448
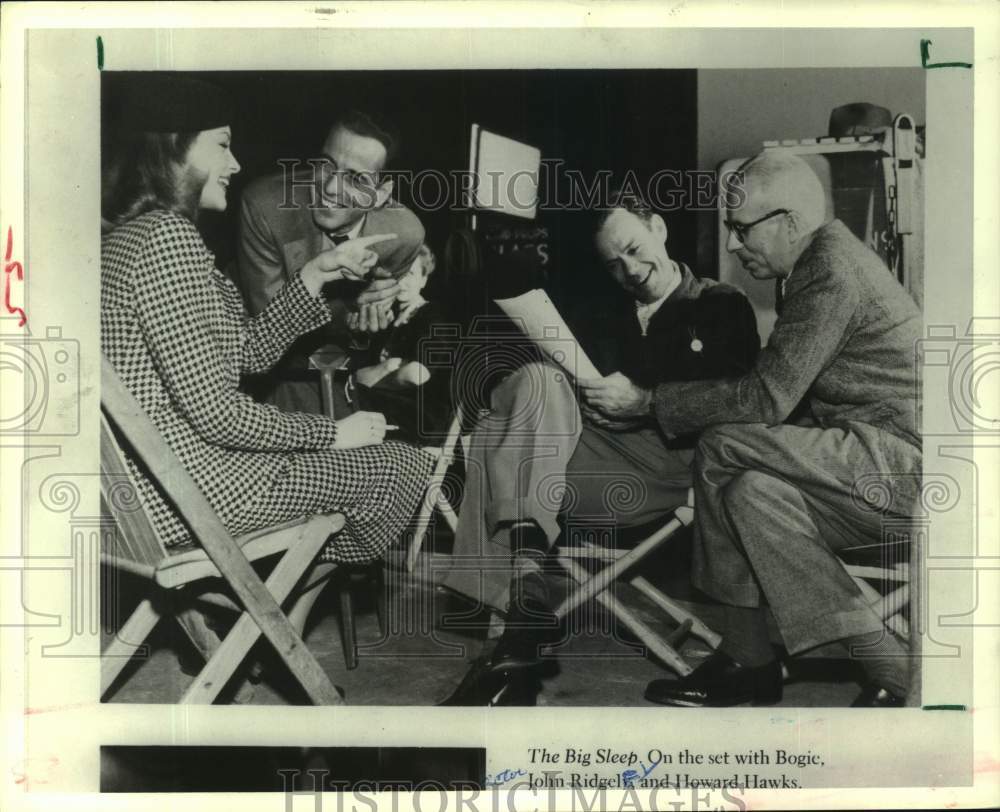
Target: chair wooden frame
589,587
892,605
139,550
594,587
434,498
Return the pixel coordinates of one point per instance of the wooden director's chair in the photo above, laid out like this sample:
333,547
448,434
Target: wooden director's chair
434,496
596,587
888,565
590,587
890,604
214,560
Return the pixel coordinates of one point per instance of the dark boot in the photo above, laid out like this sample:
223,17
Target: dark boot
720,682
486,686
530,623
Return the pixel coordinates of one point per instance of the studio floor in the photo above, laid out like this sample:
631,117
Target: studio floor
430,639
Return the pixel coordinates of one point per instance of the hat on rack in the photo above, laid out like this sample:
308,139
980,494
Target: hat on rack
859,118
146,101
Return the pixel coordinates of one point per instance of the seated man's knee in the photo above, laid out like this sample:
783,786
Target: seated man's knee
751,489
547,377
713,441
535,383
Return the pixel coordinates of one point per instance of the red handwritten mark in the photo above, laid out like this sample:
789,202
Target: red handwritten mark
9,268
34,770
54,708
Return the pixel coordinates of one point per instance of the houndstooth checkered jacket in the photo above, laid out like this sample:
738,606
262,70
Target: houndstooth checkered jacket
174,328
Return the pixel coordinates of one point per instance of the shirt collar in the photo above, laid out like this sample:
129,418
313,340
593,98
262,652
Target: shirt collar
352,234
785,282
682,282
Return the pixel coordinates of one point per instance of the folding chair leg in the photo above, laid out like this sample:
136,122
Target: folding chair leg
348,631
888,607
422,523
381,609
308,594
121,649
892,604
632,622
599,582
677,612
244,634
445,509
433,497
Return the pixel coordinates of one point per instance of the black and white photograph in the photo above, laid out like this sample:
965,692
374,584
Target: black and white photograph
565,413
529,466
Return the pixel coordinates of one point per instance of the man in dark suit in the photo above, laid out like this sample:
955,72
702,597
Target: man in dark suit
548,455
289,219
774,501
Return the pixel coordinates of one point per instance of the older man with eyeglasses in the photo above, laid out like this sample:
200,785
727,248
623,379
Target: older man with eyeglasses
776,501
306,213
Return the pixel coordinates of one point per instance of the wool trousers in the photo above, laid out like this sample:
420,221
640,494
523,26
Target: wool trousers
774,504
534,457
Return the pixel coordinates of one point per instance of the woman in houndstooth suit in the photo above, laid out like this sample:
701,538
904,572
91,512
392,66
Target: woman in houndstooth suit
174,328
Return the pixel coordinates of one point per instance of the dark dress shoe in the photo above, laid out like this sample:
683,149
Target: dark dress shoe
484,685
528,629
874,697
719,682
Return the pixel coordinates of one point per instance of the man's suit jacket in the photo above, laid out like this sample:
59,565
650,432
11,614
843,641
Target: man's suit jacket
277,236
845,339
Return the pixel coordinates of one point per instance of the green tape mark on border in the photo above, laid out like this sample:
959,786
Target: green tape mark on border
925,58
945,707
100,54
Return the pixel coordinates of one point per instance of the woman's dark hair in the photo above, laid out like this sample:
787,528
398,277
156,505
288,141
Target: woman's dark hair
143,171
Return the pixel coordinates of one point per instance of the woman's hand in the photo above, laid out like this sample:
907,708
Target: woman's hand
359,430
353,259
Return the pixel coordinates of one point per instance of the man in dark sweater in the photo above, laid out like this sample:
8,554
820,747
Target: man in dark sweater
546,456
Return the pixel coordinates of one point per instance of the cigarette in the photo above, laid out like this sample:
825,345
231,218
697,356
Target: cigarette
390,427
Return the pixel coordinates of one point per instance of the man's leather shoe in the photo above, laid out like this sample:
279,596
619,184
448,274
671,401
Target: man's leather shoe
485,685
527,630
530,623
719,682
874,697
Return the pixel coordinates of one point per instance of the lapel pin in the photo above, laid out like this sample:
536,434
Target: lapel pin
696,345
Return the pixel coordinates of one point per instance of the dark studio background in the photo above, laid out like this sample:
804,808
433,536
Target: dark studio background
616,120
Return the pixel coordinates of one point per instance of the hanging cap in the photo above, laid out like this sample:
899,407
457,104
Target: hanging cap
143,101
859,118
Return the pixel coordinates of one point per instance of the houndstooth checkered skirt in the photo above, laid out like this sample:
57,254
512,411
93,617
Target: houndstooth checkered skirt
175,330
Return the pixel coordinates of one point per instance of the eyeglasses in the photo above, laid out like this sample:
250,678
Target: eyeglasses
366,182
742,229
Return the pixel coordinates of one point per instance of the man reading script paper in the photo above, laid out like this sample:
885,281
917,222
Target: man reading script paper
543,454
